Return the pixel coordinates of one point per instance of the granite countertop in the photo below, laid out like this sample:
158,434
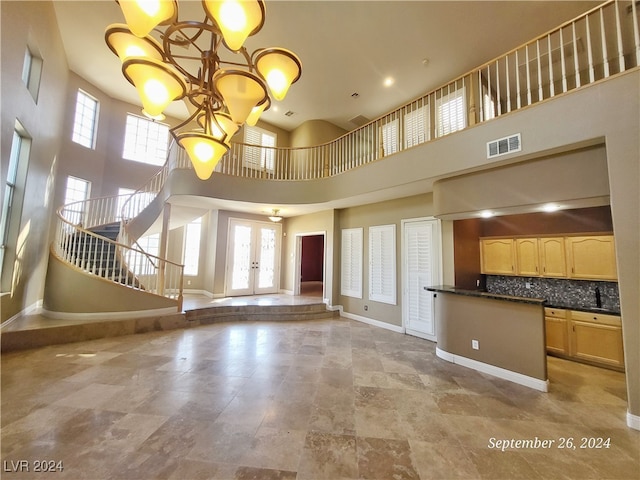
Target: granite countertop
478,293
510,298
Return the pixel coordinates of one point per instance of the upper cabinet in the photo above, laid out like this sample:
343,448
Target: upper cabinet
553,260
591,258
580,257
497,256
527,258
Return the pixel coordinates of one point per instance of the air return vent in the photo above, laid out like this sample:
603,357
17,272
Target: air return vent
505,145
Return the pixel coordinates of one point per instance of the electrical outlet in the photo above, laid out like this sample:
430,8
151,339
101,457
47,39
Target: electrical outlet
527,285
475,344
366,308
188,282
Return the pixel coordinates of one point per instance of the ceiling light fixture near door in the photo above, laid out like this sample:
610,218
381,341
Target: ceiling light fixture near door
205,64
275,217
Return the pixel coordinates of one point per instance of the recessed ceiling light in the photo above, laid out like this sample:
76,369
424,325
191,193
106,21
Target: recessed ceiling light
487,214
388,81
551,207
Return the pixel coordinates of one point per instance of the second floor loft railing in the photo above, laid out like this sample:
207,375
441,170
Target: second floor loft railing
603,42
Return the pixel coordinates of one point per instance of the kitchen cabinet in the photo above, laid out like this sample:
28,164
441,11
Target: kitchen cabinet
591,258
527,257
553,261
556,333
497,256
597,338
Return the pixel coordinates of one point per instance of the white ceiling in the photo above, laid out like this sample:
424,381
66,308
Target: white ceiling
345,48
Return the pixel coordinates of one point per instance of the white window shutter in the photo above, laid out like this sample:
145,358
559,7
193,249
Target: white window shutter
416,126
351,263
390,137
382,264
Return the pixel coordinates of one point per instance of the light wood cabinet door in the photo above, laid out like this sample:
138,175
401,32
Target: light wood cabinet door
497,256
553,261
597,343
556,335
527,257
591,258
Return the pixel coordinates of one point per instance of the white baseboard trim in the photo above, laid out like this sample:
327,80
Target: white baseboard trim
286,292
99,316
193,291
633,421
527,381
369,321
33,309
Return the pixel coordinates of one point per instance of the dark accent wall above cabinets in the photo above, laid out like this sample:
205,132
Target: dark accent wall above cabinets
467,233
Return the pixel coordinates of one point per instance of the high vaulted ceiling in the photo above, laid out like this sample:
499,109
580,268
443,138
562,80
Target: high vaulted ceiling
345,48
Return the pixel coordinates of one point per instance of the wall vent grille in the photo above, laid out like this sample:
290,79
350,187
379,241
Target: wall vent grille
505,145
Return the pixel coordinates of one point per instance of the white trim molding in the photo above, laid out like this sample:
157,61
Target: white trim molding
633,421
369,321
33,309
527,381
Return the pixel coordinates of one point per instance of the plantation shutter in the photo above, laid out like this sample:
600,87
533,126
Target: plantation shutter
351,263
451,112
382,264
416,126
390,137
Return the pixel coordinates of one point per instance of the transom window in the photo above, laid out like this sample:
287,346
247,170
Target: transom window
145,141
31,72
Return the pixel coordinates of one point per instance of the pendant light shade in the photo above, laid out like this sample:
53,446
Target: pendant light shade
256,111
221,127
158,84
237,19
204,152
142,16
125,44
280,68
241,92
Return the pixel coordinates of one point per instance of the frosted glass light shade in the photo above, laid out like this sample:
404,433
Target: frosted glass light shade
241,92
256,111
280,68
157,84
221,127
236,19
142,16
125,44
204,152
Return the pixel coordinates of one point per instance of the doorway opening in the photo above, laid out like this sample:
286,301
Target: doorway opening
310,254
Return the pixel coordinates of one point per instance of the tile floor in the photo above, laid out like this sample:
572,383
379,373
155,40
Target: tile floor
330,399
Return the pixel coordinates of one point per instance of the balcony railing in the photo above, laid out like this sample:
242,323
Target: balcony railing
600,43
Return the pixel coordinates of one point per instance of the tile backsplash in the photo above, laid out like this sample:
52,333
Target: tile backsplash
557,292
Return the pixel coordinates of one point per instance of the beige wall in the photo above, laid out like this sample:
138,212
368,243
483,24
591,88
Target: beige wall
30,24
315,132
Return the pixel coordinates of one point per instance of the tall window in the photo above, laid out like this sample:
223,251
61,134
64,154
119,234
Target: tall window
12,205
77,190
145,141
85,120
256,157
31,72
451,112
390,137
416,126
191,254
139,263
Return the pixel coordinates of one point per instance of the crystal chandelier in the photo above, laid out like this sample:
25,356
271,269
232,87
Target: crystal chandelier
186,64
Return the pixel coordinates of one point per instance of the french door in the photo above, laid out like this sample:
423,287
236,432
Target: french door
253,257
421,268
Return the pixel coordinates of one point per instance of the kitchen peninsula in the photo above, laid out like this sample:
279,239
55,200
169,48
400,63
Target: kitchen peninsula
500,335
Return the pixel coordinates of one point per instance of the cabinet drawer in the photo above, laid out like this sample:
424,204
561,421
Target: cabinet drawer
600,318
555,312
